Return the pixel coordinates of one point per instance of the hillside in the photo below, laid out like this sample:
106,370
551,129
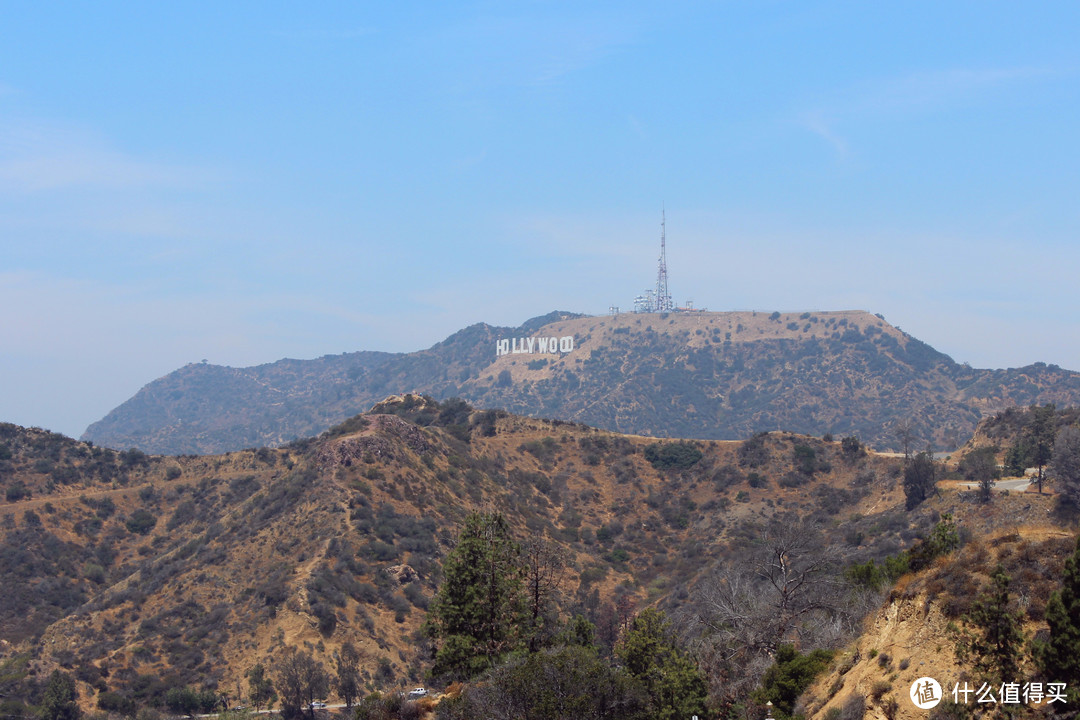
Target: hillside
161,572
697,375
914,634
140,573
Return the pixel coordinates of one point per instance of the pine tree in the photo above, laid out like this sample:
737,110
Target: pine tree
672,680
919,478
477,615
1064,467
60,699
789,676
1039,437
260,687
996,641
347,680
1059,657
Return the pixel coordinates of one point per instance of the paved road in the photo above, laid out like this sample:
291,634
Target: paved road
1012,484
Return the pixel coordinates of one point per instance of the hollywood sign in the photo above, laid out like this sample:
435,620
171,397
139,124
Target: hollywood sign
528,346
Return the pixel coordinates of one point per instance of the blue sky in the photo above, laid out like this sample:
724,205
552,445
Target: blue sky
242,182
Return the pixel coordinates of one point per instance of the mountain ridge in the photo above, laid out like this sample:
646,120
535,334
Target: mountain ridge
699,375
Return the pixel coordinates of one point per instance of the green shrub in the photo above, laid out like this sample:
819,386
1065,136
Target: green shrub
786,680
16,491
672,456
141,522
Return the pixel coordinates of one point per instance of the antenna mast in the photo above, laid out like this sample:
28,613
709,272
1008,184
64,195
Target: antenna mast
663,298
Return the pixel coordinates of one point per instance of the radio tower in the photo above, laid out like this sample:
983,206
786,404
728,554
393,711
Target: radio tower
663,299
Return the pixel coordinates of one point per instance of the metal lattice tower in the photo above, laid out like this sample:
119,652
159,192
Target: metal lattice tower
663,298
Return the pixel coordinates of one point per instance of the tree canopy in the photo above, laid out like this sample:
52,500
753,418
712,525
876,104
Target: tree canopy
919,479
60,701
479,611
301,681
1065,464
994,645
675,686
1059,656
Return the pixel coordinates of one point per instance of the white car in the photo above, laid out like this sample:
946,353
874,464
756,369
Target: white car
417,693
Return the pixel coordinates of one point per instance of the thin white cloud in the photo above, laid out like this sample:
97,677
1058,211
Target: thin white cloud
919,92
41,157
614,237
934,89
344,33
637,127
535,51
815,122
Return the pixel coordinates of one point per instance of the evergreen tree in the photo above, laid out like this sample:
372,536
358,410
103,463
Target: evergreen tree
301,681
347,681
1016,458
1059,657
59,700
1039,437
672,680
478,613
579,632
944,538
260,687
190,702
919,478
1065,464
994,645
980,466
789,676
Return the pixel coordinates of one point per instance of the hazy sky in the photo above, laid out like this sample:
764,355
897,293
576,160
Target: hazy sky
242,182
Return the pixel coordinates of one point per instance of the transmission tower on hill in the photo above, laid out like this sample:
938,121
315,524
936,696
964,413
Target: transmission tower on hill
662,297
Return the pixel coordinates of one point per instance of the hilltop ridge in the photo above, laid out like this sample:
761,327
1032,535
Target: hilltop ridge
709,375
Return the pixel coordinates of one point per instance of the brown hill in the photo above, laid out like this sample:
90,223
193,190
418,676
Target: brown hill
914,634
691,375
158,572
139,573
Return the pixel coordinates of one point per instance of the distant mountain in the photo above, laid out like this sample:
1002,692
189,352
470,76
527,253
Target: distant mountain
698,375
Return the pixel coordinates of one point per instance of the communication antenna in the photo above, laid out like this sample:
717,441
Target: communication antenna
663,298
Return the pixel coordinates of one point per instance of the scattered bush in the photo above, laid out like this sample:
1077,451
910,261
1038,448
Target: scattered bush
16,491
854,707
141,522
672,456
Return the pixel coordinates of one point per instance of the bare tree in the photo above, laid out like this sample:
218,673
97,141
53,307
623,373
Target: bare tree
906,435
545,567
788,590
762,602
